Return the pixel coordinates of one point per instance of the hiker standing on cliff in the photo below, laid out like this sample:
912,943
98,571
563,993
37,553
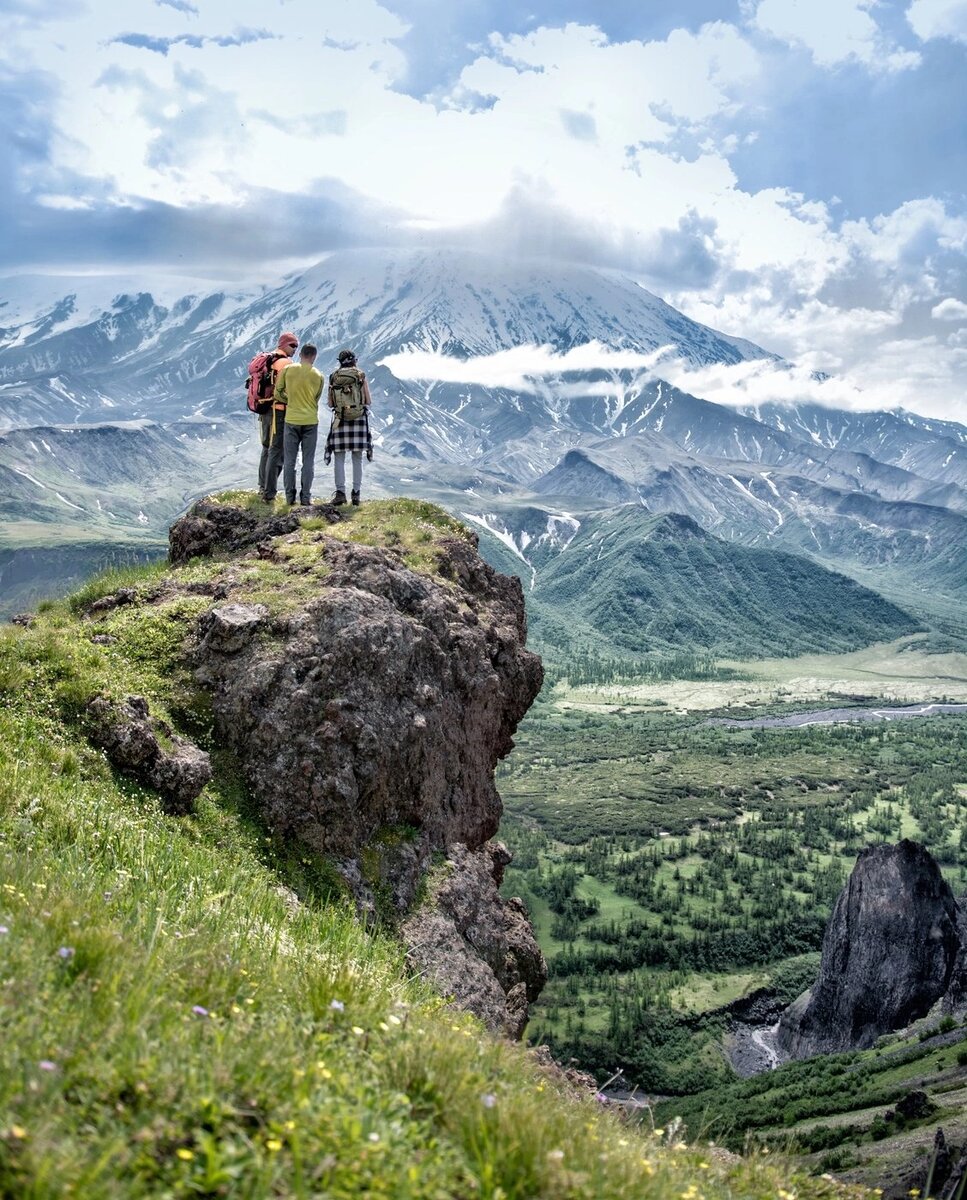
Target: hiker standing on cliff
350,402
298,388
263,373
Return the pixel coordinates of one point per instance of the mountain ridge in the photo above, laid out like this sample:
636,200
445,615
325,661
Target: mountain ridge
568,441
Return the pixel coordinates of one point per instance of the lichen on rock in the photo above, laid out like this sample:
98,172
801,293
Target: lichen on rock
476,945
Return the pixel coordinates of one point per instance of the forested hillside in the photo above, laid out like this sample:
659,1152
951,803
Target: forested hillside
642,584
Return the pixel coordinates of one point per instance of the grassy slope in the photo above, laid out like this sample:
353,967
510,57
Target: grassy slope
179,1022
832,1108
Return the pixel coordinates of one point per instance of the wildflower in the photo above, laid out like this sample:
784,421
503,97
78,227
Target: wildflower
199,1011
337,1006
374,1137
555,1155
273,1145
4,929
394,1020
18,1132
601,1097
384,1027
488,1100
185,1155
46,1065
358,1031
66,953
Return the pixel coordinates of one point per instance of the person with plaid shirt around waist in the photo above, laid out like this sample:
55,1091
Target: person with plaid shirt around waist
349,435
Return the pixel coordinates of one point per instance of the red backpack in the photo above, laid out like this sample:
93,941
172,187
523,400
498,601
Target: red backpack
260,383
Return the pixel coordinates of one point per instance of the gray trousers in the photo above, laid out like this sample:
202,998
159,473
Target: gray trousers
306,437
270,464
339,467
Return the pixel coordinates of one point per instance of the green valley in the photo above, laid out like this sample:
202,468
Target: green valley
672,866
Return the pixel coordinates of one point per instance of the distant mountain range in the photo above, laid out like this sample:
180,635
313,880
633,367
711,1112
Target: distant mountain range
149,380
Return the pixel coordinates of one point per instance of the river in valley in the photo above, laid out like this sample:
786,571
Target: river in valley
837,716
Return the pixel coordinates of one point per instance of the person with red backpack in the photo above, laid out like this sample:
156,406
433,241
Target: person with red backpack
263,373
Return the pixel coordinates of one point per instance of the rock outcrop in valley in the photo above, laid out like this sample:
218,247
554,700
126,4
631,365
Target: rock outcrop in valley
893,948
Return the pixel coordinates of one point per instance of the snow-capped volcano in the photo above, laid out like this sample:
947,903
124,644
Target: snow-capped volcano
137,352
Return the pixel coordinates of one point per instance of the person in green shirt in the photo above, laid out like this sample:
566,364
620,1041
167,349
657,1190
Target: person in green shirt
299,387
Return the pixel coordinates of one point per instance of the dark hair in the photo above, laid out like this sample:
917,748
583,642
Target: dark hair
347,358
308,350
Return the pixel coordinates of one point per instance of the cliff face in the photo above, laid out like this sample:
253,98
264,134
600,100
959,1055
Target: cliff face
892,949
368,703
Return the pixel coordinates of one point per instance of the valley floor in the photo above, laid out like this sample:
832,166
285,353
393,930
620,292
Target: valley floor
680,873
898,671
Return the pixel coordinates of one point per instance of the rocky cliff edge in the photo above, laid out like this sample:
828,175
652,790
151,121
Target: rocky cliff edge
367,671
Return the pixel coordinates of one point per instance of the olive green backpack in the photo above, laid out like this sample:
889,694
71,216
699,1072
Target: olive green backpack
346,393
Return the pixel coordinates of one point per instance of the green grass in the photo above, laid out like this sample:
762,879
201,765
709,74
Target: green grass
410,527
189,1009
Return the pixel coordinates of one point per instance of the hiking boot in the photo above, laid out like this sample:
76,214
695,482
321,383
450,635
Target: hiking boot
338,499
290,499
305,501
355,498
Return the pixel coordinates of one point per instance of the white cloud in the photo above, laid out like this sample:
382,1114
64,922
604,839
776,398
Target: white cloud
520,367
833,31
949,310
938,18
905,373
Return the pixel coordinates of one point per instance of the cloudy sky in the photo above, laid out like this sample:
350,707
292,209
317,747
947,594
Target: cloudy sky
790,171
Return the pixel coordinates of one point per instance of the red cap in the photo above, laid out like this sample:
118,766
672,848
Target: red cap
288,339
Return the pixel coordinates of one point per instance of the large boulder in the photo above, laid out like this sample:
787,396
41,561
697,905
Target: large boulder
368,718
148,750
211,528
890,952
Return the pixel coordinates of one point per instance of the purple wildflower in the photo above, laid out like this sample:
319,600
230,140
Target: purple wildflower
488,1100
46,1065
337,1006
601,1098
4,929
199,1011
66,953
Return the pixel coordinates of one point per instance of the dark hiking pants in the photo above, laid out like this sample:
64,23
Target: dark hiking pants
270,464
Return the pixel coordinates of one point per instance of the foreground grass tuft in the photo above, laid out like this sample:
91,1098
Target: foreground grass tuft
189,1011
